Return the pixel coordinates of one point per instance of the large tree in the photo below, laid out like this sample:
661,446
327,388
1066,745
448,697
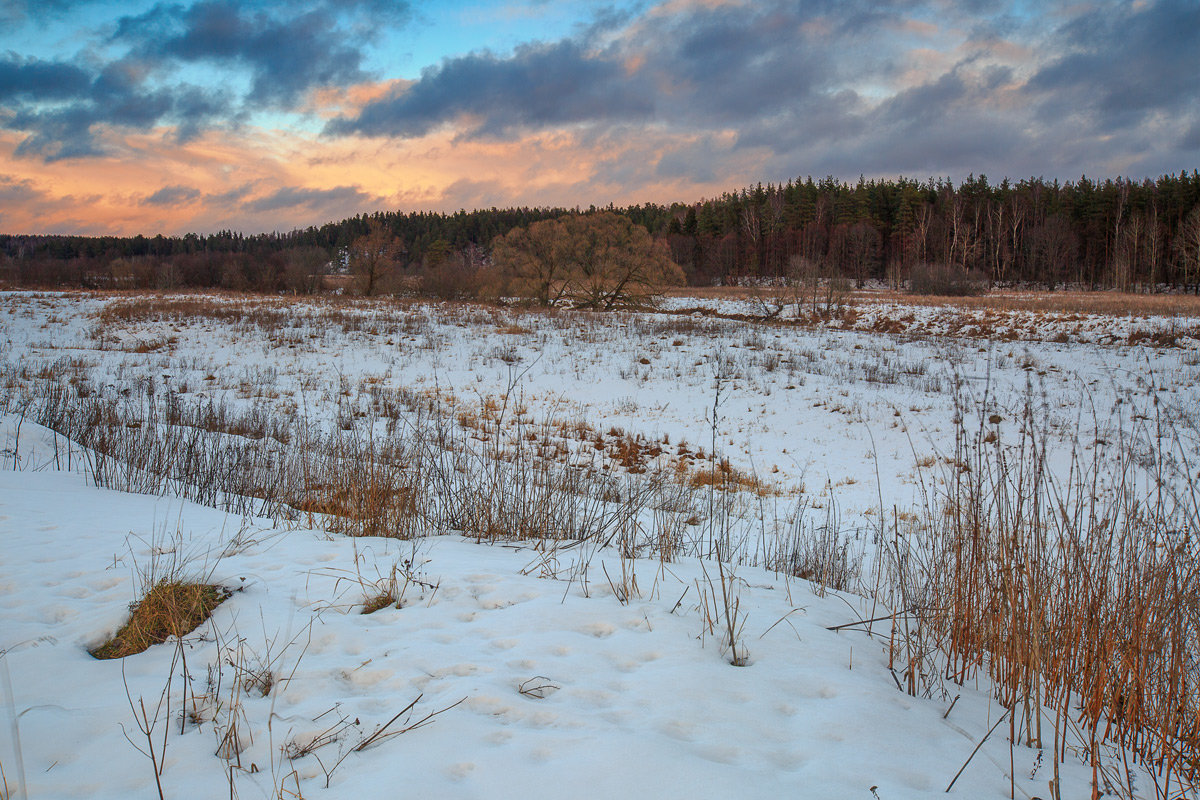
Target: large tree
532,261
601,261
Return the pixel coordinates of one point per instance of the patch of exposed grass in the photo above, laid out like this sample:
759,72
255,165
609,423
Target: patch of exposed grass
379,602
170,608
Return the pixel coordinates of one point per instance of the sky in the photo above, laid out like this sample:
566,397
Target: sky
140,116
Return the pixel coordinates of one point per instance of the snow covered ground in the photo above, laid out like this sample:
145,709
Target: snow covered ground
835,418
639,699
567,671
1012,316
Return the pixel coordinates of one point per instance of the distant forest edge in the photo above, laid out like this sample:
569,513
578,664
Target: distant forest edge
1117,233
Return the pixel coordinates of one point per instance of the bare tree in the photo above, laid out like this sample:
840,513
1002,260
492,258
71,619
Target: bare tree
1187,248
1153,247
374,257
304,268
1053,245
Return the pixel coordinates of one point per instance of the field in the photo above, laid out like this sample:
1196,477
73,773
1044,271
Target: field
812,545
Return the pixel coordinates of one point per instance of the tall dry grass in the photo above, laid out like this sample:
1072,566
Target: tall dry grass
1078,595
402,466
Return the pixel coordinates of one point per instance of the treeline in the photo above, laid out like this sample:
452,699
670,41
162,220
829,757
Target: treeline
262,262
1115,233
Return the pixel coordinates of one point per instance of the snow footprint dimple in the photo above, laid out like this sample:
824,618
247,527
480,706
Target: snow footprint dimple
787,759
721,754
52,615
459,771
499,737
322,644
540,719
601,630
679,729
625,664
461,670
824,691
366,678
106,583
596,698
488,705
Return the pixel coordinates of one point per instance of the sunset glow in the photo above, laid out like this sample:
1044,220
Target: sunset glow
251,115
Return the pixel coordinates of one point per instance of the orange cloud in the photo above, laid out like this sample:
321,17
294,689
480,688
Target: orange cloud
264,180
328,102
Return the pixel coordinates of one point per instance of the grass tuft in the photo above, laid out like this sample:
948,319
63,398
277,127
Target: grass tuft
170,608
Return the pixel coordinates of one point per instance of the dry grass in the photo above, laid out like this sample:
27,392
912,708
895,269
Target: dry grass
1105,303
724,477
1060,302
171,608
998,315
1077,595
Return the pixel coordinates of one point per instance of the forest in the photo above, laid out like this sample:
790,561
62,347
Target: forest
1116,233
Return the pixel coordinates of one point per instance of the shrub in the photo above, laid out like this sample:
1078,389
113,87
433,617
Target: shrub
946,280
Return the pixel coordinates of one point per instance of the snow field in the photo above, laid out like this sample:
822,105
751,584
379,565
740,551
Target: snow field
642,704
639,696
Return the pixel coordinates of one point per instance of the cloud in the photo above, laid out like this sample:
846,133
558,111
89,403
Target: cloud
60,104
31,78
286,53
699,64
1191,139
813,86
295,197
1121,62
22,200
19,12
663,102
538,86
17,191
172,196
258,56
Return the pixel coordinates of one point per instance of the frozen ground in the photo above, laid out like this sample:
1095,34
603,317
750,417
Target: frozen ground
640,698
1016,317
831,420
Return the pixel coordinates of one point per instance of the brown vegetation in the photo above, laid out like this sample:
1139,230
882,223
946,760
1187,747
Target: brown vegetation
597,261
170,608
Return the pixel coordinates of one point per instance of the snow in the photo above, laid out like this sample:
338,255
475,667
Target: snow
837,418
646,704
624,696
